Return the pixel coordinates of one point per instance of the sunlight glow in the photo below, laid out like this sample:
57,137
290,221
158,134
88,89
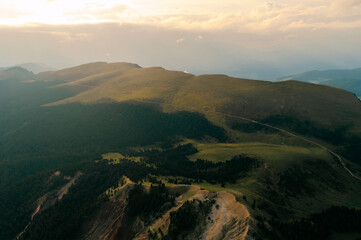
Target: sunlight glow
243,16
61,11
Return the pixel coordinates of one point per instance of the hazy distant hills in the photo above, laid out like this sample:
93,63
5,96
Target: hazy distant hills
17,73
32,67
349,80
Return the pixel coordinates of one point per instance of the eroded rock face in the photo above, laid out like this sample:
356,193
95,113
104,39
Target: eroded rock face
228,219
50,198
110,221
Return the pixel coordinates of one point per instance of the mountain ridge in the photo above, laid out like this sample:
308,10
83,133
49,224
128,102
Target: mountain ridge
176,91
32,67
348,79
275,153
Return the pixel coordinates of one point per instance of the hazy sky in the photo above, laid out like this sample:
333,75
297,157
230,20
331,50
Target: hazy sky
250,38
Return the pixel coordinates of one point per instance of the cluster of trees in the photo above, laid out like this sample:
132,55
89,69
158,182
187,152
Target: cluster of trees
35,141
146,204
308,128
318,226
250,127
351,149
348,144
187,217
65,219
190,218
174,162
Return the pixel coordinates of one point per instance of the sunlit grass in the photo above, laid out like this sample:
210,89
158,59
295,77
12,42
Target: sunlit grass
115,158
275,154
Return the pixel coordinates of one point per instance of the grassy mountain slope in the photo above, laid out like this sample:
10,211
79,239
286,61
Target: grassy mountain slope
36,140
75,73
327,113
169,126
174,91
258,100
140,83
286,175
351,85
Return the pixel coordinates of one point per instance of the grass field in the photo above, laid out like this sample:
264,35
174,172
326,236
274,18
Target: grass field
275,154
115,158
276,159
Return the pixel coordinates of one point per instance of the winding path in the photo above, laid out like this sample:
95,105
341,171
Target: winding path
272,127
256,122
301,138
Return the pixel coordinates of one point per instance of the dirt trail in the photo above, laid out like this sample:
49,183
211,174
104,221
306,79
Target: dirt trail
298,137
45,201
65,189
263,124
269,126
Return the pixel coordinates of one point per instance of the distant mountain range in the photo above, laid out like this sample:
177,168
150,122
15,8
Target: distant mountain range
32,67
15,73
348,79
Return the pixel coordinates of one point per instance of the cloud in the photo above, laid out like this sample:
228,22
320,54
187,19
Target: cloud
234,32
262,17
178,41
346,3
64,36
230,52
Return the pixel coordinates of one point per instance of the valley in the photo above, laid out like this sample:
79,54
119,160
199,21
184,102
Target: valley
117,151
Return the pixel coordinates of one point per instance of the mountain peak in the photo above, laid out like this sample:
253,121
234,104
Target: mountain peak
31,67
84,70
15,73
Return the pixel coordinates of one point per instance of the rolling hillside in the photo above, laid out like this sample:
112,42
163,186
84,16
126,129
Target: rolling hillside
176,91
273,152
75,73
351,85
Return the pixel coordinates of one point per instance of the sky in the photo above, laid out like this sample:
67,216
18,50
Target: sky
245,38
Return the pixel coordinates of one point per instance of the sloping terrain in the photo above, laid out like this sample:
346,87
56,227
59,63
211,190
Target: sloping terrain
235,154
75,73
351,85
52,197
178,91
15,73
329,114
138,83
228,219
